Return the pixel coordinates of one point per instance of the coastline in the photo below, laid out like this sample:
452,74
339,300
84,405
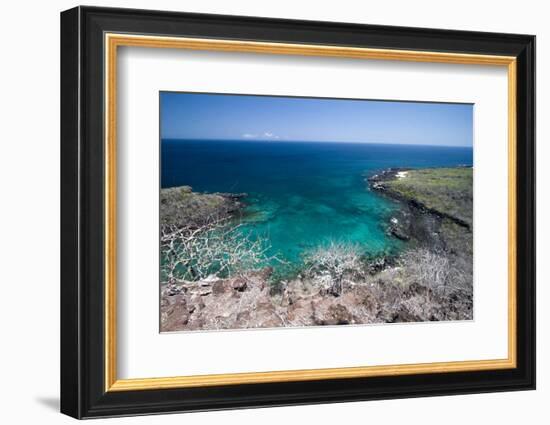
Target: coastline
382,183
378,289
436,213
180,206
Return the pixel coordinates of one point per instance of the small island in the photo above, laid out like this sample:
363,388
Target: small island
216,276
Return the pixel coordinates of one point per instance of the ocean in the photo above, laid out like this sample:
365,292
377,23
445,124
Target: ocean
303,194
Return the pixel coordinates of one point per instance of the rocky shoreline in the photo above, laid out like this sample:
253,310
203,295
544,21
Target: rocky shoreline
432,280
419,222
378,182
180,206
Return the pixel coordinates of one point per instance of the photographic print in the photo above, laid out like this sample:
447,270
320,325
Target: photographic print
280,211
301,192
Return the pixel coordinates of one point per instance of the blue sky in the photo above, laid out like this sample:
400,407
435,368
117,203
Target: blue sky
236,117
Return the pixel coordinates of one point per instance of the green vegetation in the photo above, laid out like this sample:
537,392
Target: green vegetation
183,207
448,191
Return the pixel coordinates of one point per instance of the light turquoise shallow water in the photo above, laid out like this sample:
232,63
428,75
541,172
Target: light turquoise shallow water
302,194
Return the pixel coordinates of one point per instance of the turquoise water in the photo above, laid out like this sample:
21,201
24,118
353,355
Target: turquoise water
302,194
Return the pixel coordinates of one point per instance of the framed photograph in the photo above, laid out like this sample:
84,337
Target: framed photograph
261,212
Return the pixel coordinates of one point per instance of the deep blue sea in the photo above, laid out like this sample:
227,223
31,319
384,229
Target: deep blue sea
302,194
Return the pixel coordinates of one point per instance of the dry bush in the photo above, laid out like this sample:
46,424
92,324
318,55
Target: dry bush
434,286
435,271
427,268
217,247
330,264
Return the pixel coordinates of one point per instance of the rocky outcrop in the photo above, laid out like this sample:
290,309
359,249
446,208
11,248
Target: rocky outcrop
180,206
459,213
441,228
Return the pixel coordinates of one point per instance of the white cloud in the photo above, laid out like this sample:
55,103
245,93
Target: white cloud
265,135
269,135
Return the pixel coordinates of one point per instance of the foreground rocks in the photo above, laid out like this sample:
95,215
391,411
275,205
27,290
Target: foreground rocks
239,302
248,301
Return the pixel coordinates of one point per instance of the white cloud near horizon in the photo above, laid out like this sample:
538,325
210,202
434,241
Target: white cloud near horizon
265,135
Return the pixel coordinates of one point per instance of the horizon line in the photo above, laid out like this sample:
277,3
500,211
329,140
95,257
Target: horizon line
311,141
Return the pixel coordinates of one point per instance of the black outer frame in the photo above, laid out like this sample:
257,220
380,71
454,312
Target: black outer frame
82,212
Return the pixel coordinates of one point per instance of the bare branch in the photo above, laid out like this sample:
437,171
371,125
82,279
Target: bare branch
219,247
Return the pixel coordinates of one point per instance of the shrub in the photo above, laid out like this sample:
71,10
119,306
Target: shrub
217,248
436,272
331,263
